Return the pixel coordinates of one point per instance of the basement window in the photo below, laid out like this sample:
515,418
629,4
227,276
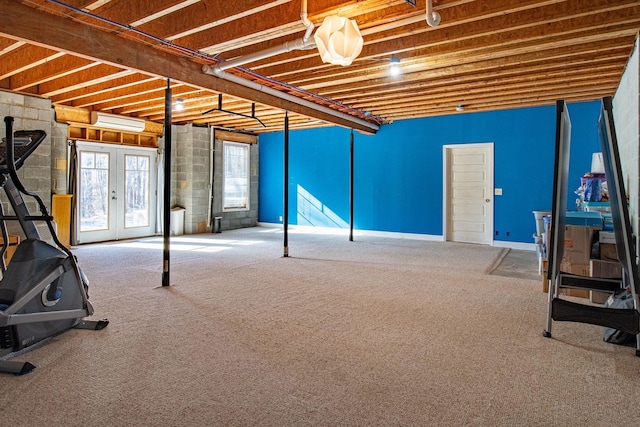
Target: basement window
235,193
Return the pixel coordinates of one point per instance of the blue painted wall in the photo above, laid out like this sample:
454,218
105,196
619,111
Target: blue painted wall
399,172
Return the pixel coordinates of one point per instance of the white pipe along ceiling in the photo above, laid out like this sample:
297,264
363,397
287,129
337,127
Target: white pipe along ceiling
306,42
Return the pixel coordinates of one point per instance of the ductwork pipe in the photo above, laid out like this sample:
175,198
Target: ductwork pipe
216,71
304,43
433,17
305,21
298,44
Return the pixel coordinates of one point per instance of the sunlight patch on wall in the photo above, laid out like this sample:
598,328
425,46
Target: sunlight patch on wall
312,211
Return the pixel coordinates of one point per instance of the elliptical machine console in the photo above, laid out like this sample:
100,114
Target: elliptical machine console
43,292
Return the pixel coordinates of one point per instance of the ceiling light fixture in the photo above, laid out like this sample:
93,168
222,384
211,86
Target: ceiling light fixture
394,66
179,105
338,40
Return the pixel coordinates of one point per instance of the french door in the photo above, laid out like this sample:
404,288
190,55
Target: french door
116,192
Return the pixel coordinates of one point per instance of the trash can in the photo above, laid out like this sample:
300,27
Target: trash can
539,217
540,237
177,221
217,224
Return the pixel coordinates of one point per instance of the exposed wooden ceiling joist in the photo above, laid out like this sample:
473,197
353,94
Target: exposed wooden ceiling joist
43,29
485,55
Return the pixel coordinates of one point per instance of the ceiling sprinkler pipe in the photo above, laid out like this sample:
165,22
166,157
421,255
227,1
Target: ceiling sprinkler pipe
433,17
305,21
299,44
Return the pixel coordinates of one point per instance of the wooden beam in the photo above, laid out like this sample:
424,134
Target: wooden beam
49,31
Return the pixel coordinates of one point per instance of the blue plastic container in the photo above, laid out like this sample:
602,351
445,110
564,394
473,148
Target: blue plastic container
587,219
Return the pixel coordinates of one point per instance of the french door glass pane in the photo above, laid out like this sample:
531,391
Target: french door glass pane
136,191
94,191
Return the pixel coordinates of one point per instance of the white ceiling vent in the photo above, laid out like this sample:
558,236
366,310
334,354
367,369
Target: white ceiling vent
112,121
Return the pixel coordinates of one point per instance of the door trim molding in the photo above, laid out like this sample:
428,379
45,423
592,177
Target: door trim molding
446,186
117,150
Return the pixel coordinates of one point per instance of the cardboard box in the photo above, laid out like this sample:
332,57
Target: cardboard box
605,269
608,252
577,244
599,297
574,268
607,237
578,270
580,293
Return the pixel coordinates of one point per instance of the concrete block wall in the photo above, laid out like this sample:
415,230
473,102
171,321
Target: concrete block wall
46,170
161,146
236,219
626,110
59,162
191,177
191,160
30,113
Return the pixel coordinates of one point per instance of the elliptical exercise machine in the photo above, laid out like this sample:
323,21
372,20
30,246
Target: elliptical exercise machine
43,292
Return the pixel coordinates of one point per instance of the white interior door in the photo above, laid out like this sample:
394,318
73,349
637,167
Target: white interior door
468,193
116,192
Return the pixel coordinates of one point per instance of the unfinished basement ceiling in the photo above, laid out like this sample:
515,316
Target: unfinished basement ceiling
115,55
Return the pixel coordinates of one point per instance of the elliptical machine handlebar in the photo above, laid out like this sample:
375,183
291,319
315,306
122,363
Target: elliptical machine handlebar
11,159
25,140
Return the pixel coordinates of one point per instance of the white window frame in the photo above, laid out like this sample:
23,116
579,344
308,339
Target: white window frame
226,206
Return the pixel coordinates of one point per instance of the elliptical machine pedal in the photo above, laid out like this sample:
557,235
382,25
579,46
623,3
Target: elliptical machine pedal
43,292
94,325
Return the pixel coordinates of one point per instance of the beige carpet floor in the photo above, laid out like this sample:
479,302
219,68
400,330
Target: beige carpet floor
375,332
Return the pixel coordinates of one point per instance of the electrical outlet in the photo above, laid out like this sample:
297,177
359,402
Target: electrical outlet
497,191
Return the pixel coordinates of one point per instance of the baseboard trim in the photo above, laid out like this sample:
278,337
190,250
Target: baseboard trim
308,229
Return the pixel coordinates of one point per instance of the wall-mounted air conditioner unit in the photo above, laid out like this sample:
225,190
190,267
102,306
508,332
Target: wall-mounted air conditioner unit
112,121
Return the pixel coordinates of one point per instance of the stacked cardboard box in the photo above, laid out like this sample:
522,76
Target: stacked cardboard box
578,241
608,250
607,266
577,245
580,293
575,259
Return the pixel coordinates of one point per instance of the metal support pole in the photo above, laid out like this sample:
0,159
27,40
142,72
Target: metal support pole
286,184
351,187
167,184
